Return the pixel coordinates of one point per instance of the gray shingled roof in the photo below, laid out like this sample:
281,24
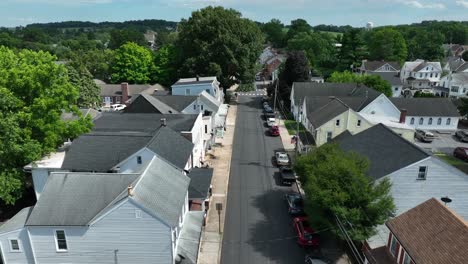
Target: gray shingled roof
162,189
303,89
387,151
391,77
426,106
200,182
143,122
374,65
16,222
158,105
177,102
74,199
182,82
322,115
116,89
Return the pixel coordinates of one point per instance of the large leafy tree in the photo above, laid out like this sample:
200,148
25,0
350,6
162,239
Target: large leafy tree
387,44
164,68
218,41
298,26
89,92
34,92
337,185
275,34
118,37
353,49
426,45
295,69
132,63
372,81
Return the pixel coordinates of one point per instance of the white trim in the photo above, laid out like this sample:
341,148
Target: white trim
115,206
57,249
2,255
20,246
31,244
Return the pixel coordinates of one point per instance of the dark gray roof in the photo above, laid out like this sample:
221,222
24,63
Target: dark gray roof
306,138
92,113
178,102
162,189
193,82
171,146
200,182
143,122
374,65
116,89
390,77
145,103
387,151
303,89
426,106
189,240
322,115
16,222
100,152
74,199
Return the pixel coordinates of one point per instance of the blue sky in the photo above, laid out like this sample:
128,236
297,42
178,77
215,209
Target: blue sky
337,12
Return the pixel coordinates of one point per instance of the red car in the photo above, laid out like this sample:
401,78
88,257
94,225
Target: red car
461,153
305,234
274,131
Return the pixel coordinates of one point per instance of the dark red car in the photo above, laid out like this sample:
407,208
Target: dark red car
461,153
306,236
274,131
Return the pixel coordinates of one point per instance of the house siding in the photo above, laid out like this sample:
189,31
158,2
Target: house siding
118,235
443,126
381,106
130,165
25,256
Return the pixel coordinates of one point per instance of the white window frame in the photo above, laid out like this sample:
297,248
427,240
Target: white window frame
139,160
20,248
138,213
396,246
56,240
331,135
406,258
448,121
425,173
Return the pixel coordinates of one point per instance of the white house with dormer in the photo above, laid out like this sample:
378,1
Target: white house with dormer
195,86
420,75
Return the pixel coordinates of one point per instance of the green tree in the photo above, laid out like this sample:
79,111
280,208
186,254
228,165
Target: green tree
218,41
426,45
336,185
387,44
275,34
119,37
34,92
297,26
98,62
165,70
295,69
465,55
353,49
132,64
89,92
372,81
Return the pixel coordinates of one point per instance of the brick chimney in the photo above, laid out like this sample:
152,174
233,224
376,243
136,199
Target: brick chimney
403,113
124,88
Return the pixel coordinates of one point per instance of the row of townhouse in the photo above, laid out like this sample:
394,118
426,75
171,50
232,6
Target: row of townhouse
328,109
133,190
430,77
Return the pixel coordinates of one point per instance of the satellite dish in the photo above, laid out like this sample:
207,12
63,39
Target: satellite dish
446,200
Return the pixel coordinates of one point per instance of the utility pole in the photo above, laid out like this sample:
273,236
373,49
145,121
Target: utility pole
274,100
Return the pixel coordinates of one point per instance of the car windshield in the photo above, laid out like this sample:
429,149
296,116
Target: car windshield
297,202
282,156
308,236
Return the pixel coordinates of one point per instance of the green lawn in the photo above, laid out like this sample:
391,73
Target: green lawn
291,126
459,164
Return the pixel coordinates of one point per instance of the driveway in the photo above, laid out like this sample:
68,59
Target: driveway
257,227
445,142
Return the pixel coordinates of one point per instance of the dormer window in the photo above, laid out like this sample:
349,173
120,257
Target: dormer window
139,160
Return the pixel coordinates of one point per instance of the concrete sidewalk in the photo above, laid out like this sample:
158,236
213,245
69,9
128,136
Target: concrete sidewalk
220,160
285,137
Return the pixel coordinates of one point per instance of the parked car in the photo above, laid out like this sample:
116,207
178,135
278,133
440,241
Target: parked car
274,131
271,121
306,235
424,136
267,109
265,104
462,135
117,107
314,260
287,175
295,204
461,153
282,158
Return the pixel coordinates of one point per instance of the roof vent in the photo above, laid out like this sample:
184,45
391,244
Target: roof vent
163,122
130,190
198,78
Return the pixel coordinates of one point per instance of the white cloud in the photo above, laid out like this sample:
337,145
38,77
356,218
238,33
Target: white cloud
462,3
63,2
422,5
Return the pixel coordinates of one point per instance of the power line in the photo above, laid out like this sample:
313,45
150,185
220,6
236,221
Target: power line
348,239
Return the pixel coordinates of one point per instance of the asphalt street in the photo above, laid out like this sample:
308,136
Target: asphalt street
258,228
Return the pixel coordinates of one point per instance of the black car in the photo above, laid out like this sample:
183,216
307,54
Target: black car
462,135
287,175
295,204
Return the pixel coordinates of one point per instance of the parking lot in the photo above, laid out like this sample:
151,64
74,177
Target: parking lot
444,142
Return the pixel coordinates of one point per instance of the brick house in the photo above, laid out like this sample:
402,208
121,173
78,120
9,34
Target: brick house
124,92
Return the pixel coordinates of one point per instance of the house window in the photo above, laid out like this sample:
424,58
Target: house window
14,245
406,259
396,89
138,213
393,246
425,75
439,121
454,89
421,121
431,74
139,160
420,75
207,90
448,121
412,121
329,136
206,129
201,107
337,123
187,91
422,172
60,240
430,121
359,123
436,75
420,83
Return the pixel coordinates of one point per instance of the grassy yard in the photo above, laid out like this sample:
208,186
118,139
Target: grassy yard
291,126
459,164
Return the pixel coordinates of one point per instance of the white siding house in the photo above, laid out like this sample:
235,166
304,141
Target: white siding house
420,75
195,86
456,83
